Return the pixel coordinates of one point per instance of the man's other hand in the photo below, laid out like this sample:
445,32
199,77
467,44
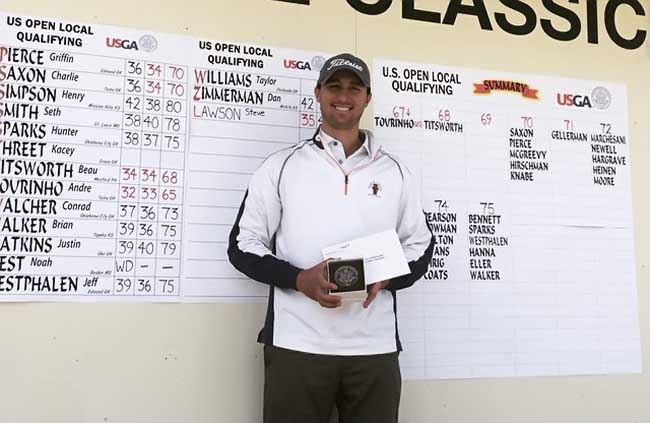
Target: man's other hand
313,284
372,292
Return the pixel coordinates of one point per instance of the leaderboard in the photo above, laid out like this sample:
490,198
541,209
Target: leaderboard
93,138
525,186
125,155
247,102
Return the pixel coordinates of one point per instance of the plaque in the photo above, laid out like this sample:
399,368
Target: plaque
348,275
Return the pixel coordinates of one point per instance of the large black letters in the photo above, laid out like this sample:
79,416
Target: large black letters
574,21
504,20
610,24
477,9
376,8
524,9
410,12
295,1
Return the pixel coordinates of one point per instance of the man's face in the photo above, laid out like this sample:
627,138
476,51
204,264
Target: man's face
343,98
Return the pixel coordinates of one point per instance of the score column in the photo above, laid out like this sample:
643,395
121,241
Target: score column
309,109
149,174
130,155
152,162
172,177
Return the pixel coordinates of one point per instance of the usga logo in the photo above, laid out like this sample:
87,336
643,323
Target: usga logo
576,100
147,43
317,62
600,98
296,64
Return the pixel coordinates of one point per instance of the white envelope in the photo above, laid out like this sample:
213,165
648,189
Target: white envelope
383,257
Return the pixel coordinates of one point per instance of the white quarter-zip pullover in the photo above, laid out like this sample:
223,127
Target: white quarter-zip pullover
310,196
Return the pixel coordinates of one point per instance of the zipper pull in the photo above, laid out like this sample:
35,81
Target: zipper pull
347,180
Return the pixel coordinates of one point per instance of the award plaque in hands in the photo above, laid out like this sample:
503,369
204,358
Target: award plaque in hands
348,275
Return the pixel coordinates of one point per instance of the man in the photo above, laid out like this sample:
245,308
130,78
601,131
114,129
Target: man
334,187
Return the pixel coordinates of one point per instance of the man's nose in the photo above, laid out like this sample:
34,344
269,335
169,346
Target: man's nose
344,95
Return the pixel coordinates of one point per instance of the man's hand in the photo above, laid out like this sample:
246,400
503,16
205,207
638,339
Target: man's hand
373,290
313,284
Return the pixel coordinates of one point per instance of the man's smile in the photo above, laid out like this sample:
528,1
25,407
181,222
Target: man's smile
343,108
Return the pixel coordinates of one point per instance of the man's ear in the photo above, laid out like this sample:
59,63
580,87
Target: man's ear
317,92
369,98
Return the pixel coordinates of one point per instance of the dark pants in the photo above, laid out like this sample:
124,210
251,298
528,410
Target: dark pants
303,388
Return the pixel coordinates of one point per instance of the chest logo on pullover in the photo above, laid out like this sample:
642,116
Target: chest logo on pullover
374,189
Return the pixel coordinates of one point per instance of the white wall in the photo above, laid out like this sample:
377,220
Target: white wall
68,363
